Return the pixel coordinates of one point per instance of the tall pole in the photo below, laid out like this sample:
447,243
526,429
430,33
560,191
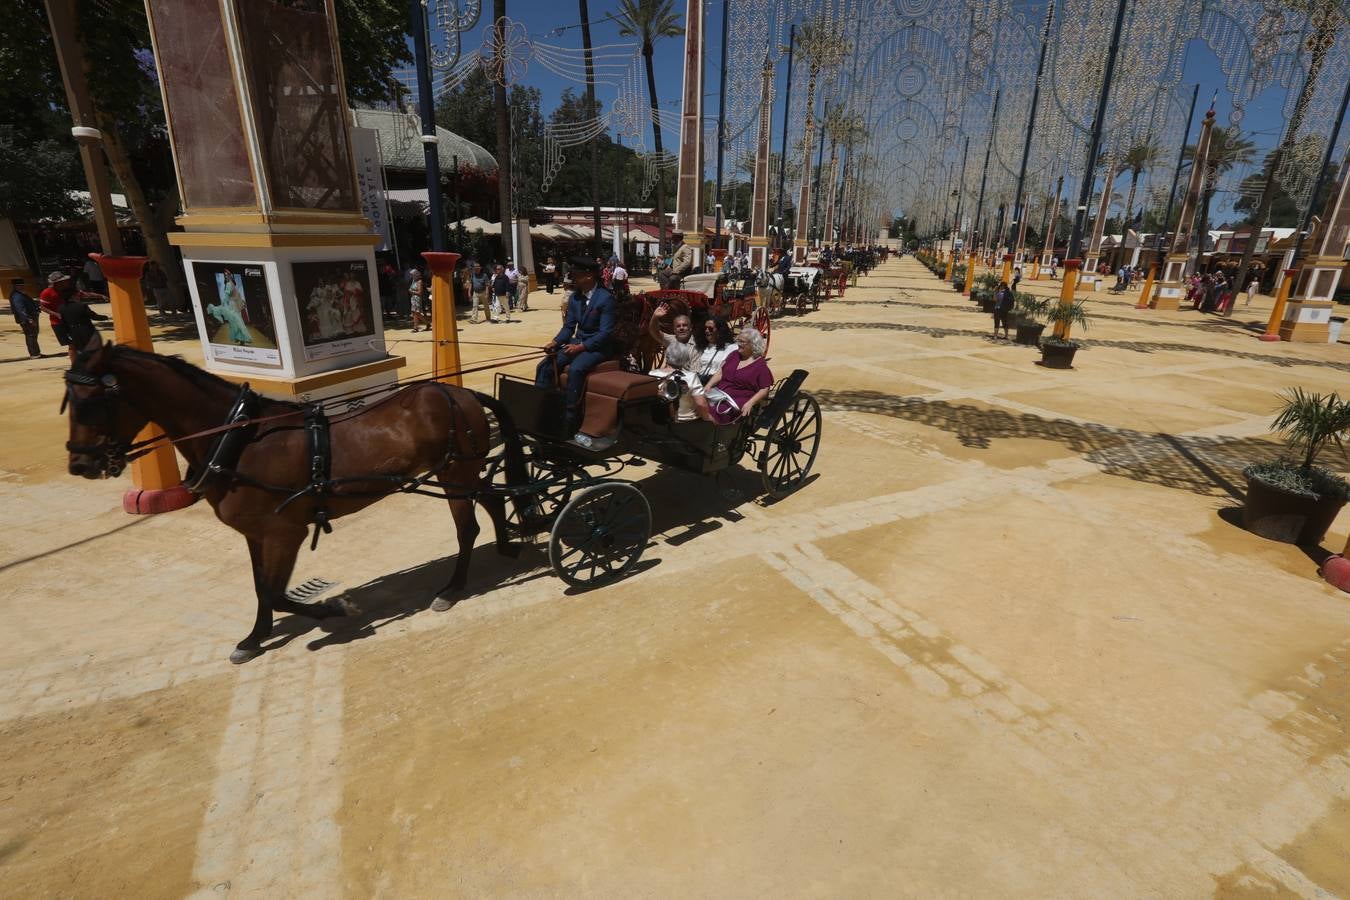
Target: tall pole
592,110
721,116
69,56
503,113
782,149
1098,122
426,106
1018,211
1176,173
820,174
688,202
799,236
759,207
984,177
961,187
1048,248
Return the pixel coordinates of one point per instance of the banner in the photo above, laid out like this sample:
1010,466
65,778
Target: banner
370,182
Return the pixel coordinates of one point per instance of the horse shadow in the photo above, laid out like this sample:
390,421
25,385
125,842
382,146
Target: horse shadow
685,508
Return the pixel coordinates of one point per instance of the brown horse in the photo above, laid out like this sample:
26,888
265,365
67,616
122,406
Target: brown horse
425,429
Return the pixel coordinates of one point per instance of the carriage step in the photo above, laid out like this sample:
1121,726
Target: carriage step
303,593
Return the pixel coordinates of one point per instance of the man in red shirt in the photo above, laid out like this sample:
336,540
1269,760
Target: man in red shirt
71,325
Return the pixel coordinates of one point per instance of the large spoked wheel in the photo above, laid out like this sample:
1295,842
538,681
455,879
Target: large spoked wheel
790,447
763,324
550,488
600,534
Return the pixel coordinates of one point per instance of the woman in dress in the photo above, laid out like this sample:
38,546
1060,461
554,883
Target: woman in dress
225,313
715,343
741,385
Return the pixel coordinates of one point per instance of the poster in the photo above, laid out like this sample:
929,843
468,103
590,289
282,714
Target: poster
370,183
334,302
235,309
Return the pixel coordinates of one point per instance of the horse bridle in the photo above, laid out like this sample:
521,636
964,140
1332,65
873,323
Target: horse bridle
97,410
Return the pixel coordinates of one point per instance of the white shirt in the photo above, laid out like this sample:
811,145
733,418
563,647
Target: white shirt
514,274
619,274
711,359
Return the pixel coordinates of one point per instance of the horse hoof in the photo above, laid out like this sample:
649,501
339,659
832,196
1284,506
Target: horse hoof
241,656
441,604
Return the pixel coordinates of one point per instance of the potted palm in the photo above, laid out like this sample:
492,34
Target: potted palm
1029,310
1057,351
1293,499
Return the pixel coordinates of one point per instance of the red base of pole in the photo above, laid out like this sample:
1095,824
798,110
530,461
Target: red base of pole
1336,571
1270,337
144,503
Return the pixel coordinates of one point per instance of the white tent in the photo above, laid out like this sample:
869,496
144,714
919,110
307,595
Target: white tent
473,223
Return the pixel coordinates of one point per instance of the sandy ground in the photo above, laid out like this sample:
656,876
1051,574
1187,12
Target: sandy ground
1009,642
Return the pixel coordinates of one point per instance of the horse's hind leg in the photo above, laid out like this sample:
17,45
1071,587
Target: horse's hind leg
466,529
495,504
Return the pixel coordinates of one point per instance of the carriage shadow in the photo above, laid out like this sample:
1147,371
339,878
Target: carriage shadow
685,508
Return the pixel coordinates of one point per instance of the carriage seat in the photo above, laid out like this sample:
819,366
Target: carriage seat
607,388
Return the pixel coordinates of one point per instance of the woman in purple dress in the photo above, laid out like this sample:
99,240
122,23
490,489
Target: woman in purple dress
742,383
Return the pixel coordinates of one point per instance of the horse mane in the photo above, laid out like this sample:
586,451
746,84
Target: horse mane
194,374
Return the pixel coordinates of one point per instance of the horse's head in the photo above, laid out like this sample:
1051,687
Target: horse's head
103,424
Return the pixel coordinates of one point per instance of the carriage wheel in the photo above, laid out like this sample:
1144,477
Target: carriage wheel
790,447
600,534
763,324
554,488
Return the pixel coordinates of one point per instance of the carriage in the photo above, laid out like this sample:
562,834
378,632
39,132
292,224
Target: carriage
598,526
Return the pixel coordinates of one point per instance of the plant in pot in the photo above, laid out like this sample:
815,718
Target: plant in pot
983,291
1029,310
1057,351
959,276
1293,499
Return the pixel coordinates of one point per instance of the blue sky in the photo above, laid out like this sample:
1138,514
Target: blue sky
1263,120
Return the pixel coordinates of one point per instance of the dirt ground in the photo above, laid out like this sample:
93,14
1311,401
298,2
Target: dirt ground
1008,642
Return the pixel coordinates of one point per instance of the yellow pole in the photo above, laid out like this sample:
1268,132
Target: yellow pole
1066,291
159,487
445,363
948,276
1148,286
1007,268
1277,314
970,274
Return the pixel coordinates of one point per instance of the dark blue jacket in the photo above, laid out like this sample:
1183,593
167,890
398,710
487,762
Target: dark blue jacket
24,307
592,326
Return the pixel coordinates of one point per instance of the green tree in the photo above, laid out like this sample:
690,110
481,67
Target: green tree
1228,148
651,20
1142,156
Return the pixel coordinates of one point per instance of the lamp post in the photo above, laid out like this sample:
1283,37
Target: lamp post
782,149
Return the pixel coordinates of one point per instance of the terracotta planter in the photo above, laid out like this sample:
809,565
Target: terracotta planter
1058,356
1029,333
1281,515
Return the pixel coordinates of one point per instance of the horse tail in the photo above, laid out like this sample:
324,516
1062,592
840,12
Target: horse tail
514,448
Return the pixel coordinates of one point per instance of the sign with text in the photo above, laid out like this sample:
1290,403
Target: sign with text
370,183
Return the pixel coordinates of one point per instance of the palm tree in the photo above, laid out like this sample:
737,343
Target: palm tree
1227,150
1143,155
650,20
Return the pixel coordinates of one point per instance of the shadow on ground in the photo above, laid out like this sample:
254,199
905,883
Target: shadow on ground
1206,466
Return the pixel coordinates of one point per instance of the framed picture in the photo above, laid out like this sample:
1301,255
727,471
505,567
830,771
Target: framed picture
334,301
236,310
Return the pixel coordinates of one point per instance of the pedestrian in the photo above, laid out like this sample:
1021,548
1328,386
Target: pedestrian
1003,304
1054,265
550,275
479,283
522,296
512,275
1253,285
501,294
417,299
1017,277
26,312
71,318
93,277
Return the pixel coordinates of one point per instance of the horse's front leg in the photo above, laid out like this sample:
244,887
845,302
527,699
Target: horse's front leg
273,558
